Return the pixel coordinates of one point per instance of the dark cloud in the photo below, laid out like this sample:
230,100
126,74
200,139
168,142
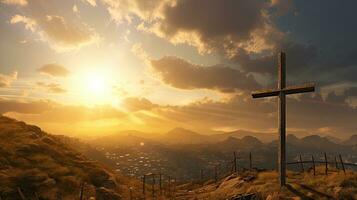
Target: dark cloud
282,7
180,73
54,69
300,58
219,25
214,18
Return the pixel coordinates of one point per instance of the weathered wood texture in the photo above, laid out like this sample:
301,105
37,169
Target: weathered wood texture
281,92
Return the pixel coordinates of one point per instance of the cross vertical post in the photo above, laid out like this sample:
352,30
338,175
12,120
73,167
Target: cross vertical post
282,125
281,93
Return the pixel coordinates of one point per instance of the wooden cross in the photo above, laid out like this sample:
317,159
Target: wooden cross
281,92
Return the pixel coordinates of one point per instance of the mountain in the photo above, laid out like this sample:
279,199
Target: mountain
127,138
292,139
351,141
318,142
35,163
264,137
334,139
246,144
313,144
184,136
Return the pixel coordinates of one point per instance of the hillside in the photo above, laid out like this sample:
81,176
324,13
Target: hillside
35,163
264,185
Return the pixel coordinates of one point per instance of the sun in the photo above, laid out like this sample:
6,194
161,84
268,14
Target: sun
95,86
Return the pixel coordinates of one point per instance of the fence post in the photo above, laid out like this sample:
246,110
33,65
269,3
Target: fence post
336,163
313,164
36,196
174,188
326,164
153,185
235,161
250,161
81,192
21,194
131,193
160,181
215,174
301,164
201,175
170,186
144,177
343,166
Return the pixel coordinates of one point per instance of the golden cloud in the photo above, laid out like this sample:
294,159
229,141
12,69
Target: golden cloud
91,2
49,111
51,87
54,69
15,2
136,104
6,80
62,35
25,107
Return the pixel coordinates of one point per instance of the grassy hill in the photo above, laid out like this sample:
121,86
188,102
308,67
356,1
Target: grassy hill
264,185
40,165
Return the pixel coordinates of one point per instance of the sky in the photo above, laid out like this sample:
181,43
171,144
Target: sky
95,67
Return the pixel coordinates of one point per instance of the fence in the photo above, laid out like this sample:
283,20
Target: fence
314,162
166,184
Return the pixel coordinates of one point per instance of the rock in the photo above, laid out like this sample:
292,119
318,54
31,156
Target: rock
249,178
103,193
251,196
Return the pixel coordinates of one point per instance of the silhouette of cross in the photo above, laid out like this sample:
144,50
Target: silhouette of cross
281,92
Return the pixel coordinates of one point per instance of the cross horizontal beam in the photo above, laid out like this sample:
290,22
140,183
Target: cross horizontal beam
265,93
288,90
300,89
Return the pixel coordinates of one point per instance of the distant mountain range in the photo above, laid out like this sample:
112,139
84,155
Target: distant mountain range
185,136
203,150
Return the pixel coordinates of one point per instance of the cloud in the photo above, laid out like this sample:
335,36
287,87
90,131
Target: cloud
182,74
6,80
52,87
15,2
75,9
61,34
299,59
283,6
54,70
91,2
126,10
230,24
136,104
25,107
30,24
52,112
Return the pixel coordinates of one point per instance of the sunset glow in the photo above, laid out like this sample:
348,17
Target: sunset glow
117,65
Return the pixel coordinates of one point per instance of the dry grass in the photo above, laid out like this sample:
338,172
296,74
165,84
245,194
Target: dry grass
335,185
37,162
